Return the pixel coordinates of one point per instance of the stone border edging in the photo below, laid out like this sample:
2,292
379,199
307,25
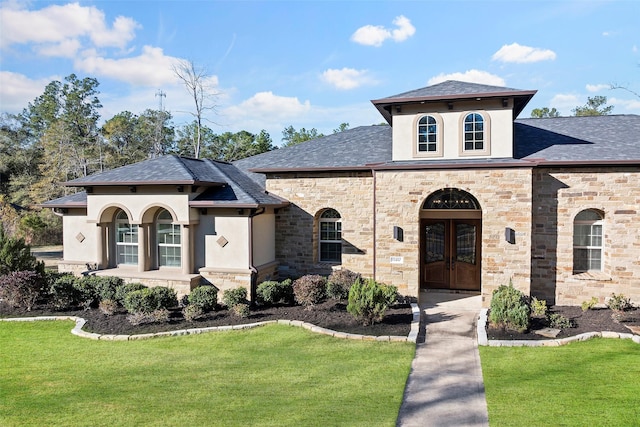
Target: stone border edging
80,322
484,341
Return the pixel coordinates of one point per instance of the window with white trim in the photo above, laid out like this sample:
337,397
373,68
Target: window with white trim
330,238
169,248
474,139
126,240
587,241
427,134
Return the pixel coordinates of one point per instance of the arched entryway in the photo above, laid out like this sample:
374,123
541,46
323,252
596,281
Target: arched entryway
450,241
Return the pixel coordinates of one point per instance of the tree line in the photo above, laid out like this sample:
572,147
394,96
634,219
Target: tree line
59,137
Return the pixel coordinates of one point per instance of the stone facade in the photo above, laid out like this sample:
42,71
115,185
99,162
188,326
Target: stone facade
559,195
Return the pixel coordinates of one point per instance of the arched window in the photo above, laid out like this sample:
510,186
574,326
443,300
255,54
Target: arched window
587,241
126,240
169,248
330,241
474,138
451,198
427,135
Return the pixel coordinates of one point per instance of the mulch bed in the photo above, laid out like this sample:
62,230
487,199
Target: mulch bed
595,320
331,314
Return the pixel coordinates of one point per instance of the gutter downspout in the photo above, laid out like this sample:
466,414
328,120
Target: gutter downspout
252,268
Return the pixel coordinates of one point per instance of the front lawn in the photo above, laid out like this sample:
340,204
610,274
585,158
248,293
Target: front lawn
273,375
585,383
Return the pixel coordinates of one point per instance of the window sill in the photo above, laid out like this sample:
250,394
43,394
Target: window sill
593,275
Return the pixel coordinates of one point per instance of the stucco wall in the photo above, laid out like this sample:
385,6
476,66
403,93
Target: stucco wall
234,254
264,238
500,125
79,237
559,195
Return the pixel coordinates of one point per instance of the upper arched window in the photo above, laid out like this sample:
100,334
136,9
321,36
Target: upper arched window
587,241
330,236
169,248
473,132
427,134
126,240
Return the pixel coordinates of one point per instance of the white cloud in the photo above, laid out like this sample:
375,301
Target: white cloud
628,105
470,76
66,48
17,90
375,35
151,68
565,102
266,104
597,88
58,24
346,78
522,54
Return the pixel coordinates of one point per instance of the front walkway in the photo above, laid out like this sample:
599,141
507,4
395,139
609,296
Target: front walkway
445,386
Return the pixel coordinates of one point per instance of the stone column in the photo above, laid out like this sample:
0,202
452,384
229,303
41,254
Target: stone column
142,248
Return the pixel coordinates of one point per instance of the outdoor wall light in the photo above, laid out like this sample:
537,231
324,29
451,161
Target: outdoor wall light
398,233
510,235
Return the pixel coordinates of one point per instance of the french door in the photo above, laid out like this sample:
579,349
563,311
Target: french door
450,256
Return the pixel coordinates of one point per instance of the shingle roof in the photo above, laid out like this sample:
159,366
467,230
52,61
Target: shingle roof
73,200
161,170
579,139
352,149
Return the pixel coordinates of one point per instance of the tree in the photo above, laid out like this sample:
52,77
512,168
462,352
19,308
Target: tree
540,113
595,106
341,128
196,82
291,137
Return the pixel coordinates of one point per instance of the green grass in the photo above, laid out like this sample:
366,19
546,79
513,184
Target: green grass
593,383
267,376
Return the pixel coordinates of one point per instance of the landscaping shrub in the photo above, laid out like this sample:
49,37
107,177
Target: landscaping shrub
539,307
272,292
589,305
205,297
22,288
310,290
233,297
618,302
509,308
369,300
339,283
62,292
241,310
106,286
156,316
108,306
15,255
87,292
192,312
390,293
559,321
149,300
124,289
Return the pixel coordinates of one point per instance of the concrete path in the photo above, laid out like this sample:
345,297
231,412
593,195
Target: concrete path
445,386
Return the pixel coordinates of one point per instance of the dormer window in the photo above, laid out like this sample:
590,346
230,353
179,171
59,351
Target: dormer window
475,135
428,136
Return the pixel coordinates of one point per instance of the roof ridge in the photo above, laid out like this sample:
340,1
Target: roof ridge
226,175
187,168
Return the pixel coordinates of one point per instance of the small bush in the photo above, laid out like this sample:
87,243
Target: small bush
618,302
22,288
192,312
87,293
165,297
539,307
589,305
62,292
559,321
15,255
124,289
241,310
369,300
233,297
272,292
339,283
148,300
310,290
108,306
390,293
205,297
509,308
156,316
106,286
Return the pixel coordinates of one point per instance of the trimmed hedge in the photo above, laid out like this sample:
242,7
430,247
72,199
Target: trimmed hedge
310,290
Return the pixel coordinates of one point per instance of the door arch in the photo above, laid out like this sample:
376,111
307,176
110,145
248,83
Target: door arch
450,241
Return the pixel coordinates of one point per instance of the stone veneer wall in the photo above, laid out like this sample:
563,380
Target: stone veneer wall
505,198
349,193
559,195
504,194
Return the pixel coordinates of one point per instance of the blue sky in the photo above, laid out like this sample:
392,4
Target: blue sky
316,64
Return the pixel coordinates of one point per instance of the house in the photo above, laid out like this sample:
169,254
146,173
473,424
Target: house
455,193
